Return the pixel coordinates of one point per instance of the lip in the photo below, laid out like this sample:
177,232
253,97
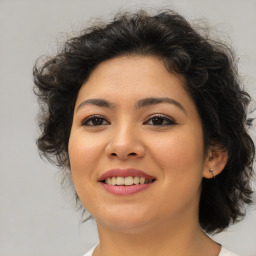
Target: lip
125,190
124,173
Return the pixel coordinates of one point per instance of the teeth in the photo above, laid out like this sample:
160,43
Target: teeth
113,181
119,181
127,181
136,180
142,180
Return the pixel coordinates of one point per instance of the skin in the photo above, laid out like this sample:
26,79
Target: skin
163,219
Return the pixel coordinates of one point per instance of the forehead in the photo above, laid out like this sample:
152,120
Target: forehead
132,75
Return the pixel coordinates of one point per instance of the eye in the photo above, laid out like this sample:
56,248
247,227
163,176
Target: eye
95,120
160,120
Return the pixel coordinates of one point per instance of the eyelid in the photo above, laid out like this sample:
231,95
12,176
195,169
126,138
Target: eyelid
89,118
165,117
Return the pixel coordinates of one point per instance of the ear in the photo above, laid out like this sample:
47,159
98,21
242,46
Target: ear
216,160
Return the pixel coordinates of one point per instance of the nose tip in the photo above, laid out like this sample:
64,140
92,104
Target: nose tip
125,147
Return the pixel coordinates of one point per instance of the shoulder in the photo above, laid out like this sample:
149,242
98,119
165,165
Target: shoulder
225,252
89,253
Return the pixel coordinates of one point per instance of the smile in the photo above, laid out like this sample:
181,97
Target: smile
127,181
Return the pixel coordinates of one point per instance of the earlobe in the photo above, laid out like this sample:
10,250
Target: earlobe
215,163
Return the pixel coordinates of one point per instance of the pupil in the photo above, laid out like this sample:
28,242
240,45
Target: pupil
97,121
157,121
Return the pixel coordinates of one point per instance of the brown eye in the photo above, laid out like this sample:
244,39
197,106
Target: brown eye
157,121
160,120
95,121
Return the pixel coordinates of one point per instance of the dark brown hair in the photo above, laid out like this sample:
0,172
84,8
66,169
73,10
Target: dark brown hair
211,79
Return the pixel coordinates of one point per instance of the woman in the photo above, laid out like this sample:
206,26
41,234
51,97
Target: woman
150,118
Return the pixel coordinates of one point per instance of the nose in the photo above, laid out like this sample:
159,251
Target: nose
125,143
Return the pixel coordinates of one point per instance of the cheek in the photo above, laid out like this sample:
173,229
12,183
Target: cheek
84,154
179,152
181,161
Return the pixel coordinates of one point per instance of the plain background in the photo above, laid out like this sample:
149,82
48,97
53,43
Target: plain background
36,217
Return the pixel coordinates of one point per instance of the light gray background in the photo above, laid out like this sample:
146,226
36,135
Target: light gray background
36,217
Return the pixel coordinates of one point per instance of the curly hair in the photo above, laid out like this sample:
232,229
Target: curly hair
212,80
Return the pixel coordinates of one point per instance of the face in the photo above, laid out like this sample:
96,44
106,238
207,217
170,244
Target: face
136,145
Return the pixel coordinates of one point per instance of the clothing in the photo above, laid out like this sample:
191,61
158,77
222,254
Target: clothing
90,252
223,252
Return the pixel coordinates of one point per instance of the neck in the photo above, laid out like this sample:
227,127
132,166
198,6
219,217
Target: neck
158,239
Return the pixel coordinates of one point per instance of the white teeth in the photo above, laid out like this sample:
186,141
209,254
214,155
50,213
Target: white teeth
136,180
127,181
142,180
119,180
113,181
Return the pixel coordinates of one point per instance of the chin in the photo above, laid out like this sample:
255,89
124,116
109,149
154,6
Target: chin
121,221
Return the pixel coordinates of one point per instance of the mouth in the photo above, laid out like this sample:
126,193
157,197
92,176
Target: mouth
125,181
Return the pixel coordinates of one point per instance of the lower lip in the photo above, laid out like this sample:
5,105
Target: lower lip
125,190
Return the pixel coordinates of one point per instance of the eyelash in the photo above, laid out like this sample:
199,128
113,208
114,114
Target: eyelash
168,121
158,117
94,118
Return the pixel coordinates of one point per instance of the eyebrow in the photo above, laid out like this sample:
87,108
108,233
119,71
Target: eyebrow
158,100
140,104
96,102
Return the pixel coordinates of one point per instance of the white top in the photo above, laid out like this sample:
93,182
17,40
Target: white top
223,252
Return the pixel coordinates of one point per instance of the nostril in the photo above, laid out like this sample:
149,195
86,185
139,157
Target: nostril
130,154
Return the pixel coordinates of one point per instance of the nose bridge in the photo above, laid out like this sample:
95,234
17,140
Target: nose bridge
125,141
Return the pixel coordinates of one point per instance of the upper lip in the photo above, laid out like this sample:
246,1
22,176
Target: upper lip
124,173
